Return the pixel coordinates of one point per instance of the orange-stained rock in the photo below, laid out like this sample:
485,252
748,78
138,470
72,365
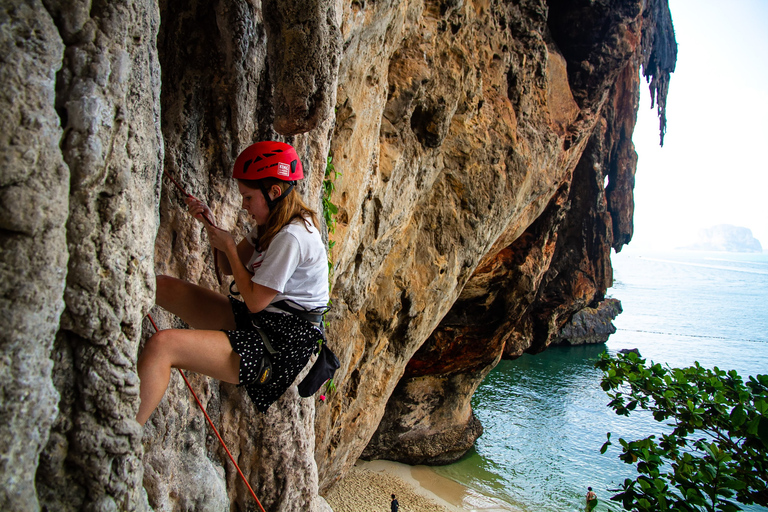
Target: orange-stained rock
529,285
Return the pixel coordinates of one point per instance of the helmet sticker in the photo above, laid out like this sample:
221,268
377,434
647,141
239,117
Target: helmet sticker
283,169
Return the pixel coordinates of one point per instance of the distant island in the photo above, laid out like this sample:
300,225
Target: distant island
726,237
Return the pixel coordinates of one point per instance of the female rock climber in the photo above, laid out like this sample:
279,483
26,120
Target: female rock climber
281,271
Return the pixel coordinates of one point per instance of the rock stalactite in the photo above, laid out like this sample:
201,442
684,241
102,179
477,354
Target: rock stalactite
486,171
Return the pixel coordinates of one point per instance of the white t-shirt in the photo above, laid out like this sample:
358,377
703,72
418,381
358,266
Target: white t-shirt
295,264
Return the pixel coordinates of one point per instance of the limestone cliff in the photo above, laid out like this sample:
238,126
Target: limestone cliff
475,139
532,280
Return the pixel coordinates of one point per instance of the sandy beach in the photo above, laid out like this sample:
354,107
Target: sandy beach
368,486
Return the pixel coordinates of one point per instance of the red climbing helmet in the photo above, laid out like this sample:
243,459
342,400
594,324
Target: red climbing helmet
268,159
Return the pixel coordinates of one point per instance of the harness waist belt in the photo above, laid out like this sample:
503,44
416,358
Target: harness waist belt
314,317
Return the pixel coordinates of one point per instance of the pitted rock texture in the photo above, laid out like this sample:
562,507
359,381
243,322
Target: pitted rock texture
457,138
106,96
303,43
33,251
85,155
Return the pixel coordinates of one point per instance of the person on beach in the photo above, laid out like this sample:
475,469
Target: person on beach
591,500
281,271
394,505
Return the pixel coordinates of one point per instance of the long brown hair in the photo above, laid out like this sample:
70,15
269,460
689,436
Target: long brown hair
291,207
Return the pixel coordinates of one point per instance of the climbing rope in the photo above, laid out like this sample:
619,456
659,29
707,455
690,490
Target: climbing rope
695,335
213,427
207,219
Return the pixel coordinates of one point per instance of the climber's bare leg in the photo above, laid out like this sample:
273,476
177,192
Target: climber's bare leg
199,307
206,352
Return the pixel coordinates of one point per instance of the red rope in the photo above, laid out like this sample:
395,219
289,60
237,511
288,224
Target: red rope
207,219
213,426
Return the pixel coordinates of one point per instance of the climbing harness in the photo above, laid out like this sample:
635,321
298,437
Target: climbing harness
207,219
325,365
314,316
213,427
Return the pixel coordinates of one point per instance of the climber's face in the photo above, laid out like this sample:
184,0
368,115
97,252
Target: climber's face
254,203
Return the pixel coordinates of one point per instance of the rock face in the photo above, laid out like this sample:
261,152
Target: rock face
91,70
530,283
234,81
474,139
728,238
85,145
33,245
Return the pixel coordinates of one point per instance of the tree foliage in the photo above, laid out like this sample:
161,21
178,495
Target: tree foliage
716,456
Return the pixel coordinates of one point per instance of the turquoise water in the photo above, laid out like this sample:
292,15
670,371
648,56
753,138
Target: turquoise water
545,416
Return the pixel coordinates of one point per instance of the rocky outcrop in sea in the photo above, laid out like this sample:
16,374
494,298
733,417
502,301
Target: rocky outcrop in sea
590,325
486,171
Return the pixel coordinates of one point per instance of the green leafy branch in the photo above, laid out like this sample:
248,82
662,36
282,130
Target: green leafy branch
330,210
717,451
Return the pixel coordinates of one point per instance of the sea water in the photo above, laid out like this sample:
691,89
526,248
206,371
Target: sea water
545,416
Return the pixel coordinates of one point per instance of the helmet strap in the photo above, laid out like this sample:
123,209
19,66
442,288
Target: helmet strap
271,203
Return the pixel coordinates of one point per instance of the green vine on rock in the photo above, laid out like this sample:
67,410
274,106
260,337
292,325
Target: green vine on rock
330,210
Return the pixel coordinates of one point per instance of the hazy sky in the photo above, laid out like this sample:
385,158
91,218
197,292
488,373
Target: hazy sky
712,169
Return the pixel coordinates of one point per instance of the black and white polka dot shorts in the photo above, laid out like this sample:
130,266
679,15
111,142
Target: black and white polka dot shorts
294,338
